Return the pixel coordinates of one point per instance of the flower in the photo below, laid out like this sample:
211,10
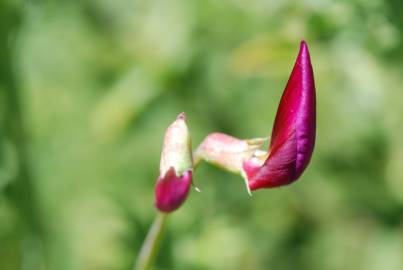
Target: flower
293,134
176,167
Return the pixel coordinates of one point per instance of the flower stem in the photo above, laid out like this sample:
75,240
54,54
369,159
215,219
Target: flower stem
151,244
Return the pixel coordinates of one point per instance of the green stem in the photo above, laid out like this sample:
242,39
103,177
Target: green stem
151,244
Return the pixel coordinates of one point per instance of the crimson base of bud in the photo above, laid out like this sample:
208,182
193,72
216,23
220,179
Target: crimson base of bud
171,190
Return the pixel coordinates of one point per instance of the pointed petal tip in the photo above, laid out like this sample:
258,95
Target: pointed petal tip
181,116
303,49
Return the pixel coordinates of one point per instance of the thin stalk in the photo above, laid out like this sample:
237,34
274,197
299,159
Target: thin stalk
151,244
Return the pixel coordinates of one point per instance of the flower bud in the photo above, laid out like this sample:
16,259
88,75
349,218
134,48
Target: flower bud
293,134
176,166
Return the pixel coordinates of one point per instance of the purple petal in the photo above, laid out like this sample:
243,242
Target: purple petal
171,190
293,135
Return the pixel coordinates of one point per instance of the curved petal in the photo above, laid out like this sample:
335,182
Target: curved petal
293,135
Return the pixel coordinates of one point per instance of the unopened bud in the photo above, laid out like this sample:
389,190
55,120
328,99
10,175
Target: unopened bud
176,166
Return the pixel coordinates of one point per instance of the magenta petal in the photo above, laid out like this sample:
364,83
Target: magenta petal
171,190
293,135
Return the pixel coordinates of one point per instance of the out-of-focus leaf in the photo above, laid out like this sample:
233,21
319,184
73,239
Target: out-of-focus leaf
121,104
8,164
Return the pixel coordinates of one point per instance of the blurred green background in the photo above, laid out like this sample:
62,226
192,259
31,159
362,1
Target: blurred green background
88,87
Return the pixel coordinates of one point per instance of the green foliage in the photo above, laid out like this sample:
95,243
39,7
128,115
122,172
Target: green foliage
87,89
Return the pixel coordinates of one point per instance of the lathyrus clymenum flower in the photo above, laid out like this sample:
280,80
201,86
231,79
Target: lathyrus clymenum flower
176,167
290,150
292,139
293,134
